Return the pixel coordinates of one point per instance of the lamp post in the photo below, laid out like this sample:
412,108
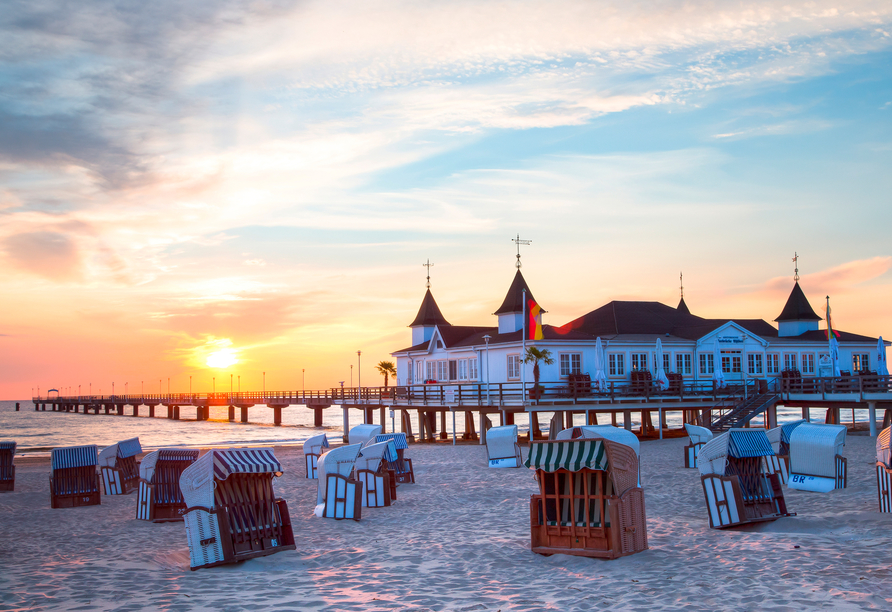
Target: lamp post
214,379
351,375
190,388
303,381
113,389
486,339
359,372
264,386
239,383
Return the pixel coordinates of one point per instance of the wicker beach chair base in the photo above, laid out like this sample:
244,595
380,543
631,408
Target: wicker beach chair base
74,487
690,454
343,498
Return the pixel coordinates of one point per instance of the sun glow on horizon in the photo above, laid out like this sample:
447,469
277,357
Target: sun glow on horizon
222,358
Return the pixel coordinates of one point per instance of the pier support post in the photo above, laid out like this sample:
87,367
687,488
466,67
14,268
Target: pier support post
383,420
136,410
627,420
407,425
317,417
16,406
482,428
443,434
244,414
231,412
277,415
368,416
169,411
805,414
176,413
152,410
535,432
346,423
872,418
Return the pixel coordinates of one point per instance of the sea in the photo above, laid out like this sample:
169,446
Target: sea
40,432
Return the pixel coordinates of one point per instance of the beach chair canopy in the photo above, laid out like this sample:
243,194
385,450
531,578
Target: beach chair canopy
618,460
74,456
369,457
500,441
884,447
315,444
363,434
336,461
787,429
151,460
121,450
813,449
399,440
781,435
712,458
7,445
617,434
197,480
697,434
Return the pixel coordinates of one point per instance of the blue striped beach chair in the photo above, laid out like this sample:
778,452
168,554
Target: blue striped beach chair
401,466
737,484
312,451
816,461
73,480
159,499
232,512
589,501
339,496
780,442
118,466
884,469
7,469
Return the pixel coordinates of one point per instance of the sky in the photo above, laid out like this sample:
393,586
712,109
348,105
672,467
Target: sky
256,185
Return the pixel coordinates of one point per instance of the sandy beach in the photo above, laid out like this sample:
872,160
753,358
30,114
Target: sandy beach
458,540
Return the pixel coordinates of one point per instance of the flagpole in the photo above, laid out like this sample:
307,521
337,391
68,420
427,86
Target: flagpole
523,351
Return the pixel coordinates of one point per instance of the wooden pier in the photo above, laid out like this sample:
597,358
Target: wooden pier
699,402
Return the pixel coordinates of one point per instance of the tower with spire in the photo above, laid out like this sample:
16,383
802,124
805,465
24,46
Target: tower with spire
429,315
797,316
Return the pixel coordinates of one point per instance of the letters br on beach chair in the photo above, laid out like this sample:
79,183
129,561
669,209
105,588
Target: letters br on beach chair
816,461
7,469
780,442
402,465
117,464
232,513
339,496
737,484
884,469
589,501
502,450
73,480
699,436
378,482
312,450
363,434
160,499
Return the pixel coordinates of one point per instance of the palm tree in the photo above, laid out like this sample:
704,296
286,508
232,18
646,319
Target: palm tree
387,369
534,356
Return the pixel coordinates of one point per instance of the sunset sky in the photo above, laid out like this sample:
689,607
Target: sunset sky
267,178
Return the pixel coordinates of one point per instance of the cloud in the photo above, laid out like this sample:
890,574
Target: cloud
48,254
839,279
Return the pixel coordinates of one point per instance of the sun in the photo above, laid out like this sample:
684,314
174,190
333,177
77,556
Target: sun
222,358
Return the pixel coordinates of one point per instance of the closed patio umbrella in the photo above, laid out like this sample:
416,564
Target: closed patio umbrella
661,377
717,374
600,377
882,368
834,355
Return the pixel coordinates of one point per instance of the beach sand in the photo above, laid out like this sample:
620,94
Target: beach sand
457,540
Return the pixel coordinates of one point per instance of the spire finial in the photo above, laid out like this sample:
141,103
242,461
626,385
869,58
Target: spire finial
520,242
428,266
681,283
796,263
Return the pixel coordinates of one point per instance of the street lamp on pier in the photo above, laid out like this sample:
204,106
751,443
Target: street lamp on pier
486,339
359,372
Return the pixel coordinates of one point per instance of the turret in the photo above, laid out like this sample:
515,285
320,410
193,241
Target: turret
798,316
511,311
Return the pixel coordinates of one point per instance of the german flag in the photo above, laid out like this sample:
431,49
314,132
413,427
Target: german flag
534,322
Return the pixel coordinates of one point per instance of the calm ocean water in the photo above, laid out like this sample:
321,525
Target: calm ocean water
41,431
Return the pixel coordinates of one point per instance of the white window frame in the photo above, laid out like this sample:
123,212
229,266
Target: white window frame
442,370
754,363
683,363
463,369
791,361
639,362
707,365
567,365
772,363
514,366
616,364
472,368
808,363
863,361
667,362
430,370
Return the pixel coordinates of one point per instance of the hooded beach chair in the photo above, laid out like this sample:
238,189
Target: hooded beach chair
502,450
378,483
737,485
363,434
232,512
779,437
699,436
884,469
7,469
117,464
816,461
339,496
312,450
615,434
160,499
589,501
73,480
402,465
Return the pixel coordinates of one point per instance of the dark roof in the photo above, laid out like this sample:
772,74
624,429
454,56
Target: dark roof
462,335
514,300
632,318
682,307
797,307
429,314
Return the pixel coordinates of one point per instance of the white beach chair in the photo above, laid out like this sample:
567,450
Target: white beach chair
118,466
400,465
616,434
363,434
312,450
699,436
816,461
501,447
337,495
159,498
884,469
370,470
232,512
7,469
74,481
779,437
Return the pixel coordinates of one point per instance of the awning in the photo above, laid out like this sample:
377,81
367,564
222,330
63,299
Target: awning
787,429
7,445
178,454
245,461
399,439
129,448
749,443
74,456
572,455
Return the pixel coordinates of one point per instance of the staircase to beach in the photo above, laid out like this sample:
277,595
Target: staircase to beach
737,414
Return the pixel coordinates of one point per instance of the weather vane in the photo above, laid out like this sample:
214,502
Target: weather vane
681,282
428,266
796,263
520,242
